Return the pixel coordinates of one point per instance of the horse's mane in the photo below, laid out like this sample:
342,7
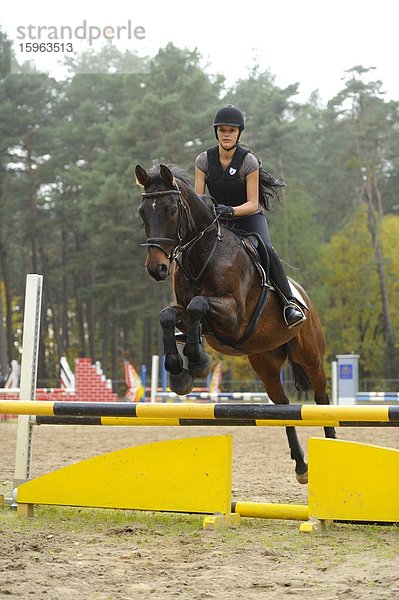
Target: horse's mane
181,174
178,172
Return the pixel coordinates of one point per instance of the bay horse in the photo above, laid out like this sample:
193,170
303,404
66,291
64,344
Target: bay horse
217,291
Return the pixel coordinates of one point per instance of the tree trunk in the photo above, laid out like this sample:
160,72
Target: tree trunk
4,360
65,300
80,318
78,285
114,351
147,326
91,327
32,200
6,279
52,305
105,337
285,250
374,220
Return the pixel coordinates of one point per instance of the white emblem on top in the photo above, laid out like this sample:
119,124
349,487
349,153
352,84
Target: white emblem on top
232,171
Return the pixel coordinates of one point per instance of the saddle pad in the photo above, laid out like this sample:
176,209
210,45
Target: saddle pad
297,294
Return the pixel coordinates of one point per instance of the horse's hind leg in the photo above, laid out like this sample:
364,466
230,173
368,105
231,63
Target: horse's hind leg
267,366
301,468
319,383
313,369
181,380
199,362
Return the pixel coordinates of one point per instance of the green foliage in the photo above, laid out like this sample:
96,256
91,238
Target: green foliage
352,310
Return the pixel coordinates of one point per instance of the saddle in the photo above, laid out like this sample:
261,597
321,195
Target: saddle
257,250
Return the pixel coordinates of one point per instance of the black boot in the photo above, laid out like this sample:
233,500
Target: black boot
292,313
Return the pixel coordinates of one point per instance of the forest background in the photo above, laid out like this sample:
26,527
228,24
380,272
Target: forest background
68,202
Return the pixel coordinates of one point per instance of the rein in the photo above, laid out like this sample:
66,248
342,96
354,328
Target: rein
190,244
179,249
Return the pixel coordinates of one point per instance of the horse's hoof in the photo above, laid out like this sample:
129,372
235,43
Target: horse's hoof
173,363
182,383
302,477
201,368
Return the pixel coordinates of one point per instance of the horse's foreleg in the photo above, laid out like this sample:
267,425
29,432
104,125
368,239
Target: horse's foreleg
181,380
173,361
199,362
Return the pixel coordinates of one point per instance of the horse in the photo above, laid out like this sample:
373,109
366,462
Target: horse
217,295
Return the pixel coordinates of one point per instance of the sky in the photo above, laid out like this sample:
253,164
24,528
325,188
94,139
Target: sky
312,42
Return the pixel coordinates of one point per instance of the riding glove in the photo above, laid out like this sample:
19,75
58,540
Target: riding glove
226,212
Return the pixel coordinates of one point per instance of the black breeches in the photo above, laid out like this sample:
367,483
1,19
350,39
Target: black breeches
252,224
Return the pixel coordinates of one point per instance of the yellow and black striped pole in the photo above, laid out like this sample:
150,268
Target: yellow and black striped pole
186,413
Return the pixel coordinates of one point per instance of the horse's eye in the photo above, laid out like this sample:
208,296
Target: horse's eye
172,210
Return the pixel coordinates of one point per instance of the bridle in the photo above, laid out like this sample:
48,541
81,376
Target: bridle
178,248
174,242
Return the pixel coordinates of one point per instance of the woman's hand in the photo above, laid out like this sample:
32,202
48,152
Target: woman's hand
226,212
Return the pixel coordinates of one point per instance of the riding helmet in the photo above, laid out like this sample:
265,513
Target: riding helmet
229,115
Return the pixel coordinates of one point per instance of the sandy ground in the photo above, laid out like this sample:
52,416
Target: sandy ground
109,557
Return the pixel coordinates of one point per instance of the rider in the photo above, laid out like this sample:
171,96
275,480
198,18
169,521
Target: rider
231,174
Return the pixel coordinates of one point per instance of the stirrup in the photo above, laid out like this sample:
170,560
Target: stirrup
301,316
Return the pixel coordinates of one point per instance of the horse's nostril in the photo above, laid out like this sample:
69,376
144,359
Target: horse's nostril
158,272
162,271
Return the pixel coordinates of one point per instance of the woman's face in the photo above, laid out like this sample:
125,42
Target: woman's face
227,135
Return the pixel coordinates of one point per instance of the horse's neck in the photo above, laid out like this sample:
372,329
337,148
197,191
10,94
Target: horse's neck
201,214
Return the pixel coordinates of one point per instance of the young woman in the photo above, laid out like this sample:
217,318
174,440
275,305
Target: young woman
231,174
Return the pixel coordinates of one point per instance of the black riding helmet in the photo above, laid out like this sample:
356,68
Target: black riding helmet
229,115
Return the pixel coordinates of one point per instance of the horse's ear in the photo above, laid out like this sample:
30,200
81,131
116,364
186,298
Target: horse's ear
141,175
167,175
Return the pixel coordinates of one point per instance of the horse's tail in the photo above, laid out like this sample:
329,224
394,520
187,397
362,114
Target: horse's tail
301,379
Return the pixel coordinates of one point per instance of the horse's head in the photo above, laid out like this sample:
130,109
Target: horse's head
166,217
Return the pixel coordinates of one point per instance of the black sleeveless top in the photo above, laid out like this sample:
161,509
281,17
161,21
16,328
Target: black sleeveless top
226,186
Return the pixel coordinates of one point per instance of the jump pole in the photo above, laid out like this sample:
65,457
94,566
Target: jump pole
175,422
211,412
30,351
263,510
